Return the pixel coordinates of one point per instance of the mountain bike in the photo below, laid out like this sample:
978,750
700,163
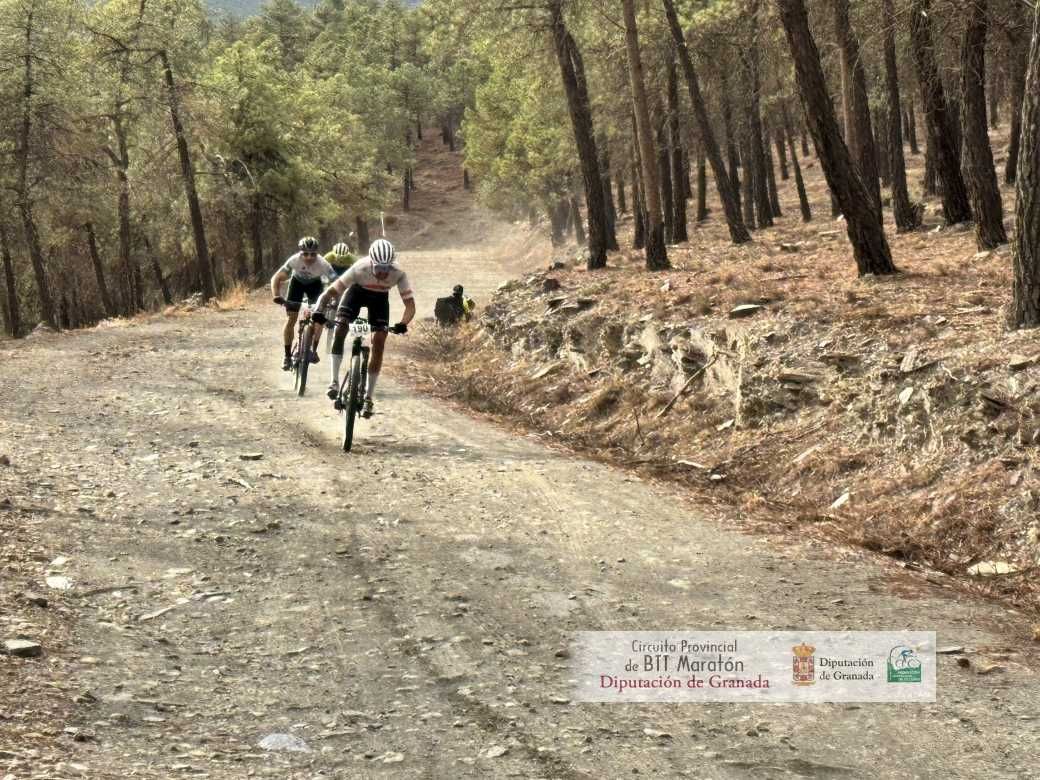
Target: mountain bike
301,350
352,386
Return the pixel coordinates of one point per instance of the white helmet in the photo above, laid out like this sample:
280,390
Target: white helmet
341,249
381,253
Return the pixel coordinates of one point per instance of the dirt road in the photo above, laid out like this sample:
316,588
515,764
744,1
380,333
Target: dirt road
405,610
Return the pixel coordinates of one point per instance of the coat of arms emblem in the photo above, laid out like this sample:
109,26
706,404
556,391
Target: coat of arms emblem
804,668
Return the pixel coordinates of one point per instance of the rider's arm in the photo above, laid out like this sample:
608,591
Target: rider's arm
277,280
409,310
335,289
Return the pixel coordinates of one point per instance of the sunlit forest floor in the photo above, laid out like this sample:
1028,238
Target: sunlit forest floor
897,414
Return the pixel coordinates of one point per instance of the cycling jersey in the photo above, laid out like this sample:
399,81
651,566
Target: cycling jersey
339,263
361,274
307,272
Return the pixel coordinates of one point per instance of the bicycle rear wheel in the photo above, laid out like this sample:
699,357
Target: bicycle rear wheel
303,361
353,401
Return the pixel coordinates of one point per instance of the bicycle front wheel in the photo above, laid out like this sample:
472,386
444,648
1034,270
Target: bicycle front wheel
353,401
303,361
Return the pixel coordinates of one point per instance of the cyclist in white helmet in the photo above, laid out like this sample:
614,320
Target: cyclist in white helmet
367,284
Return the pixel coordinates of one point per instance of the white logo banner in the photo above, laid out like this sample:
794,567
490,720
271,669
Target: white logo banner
754,666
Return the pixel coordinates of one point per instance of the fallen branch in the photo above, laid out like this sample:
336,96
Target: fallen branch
682,390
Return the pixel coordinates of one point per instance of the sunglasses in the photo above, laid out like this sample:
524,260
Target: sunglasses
309,254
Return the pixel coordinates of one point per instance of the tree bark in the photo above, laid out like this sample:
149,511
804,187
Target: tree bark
622,207
638,209
862,213
256,229
774,196
656,253
572,71
880,120
803,197
977,160
1026,245
859,133
23,154
781,153
160,280
732,145
748,182
724,182
938,118
202,258
664,172
14,312
121,157
702,185
361,228
763,206
907,216
678,173
1018,49
579,233
911,125
99,270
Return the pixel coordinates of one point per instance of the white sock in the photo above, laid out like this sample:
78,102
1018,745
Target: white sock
336,360
373,377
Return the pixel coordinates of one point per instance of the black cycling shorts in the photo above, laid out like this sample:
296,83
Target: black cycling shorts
298,289
357,297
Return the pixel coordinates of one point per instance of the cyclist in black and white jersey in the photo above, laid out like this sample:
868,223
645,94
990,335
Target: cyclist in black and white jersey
367,284
304,270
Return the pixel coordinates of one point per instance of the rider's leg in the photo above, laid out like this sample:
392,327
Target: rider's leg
375,362
287,331
346,313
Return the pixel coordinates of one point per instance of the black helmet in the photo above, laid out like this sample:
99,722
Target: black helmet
456,290
308,244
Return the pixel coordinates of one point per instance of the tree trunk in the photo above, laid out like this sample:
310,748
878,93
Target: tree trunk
363,240
664,172
880,120
121,157
99,270
465,179
724,182
656,253
1026,245
677,174
622,207
803,198
937,115
781,154
256,229
862,213
977,161
994,91
748,182
406,191
638,209
579,233
1018,49
609,211
202,259
572,71
763,207
702,184
23,153
907,216
732,145
859,131
160,280
774,196
911,125
805,145
14,312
